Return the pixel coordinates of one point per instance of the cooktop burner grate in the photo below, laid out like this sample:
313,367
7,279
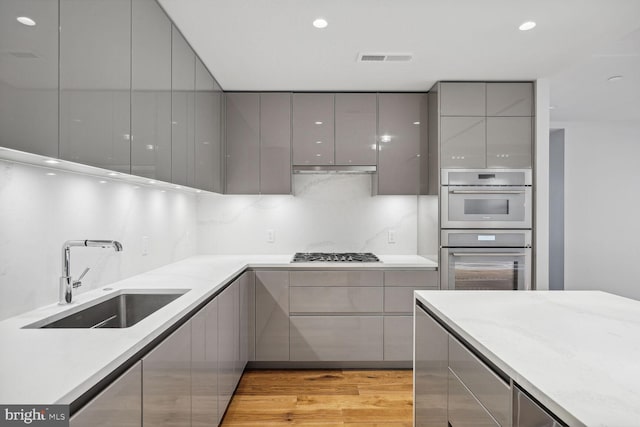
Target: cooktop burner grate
335,257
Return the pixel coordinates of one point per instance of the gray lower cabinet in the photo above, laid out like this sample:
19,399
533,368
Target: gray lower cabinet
335,299
204,366
272,315
313,129
166,381
355,128
29,78
95,83
228,344
509,142
398,338
402,124
430,370
336,338
247,290
464,410
463,142
120,404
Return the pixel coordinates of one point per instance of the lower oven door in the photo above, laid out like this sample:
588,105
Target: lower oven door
486,269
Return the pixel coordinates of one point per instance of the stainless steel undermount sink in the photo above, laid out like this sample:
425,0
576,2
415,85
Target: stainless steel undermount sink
122,310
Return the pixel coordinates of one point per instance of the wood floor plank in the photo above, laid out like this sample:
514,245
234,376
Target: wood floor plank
309,398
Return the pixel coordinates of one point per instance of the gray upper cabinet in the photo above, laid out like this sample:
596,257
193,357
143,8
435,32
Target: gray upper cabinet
401,125
29,77
463,99
313,129
120,404
150,91
275,143
355,122
208,143
463,142
509,142
183,63
510,99
95,81
166,381
243,143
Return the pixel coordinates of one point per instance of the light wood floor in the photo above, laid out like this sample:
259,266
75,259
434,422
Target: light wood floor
355,398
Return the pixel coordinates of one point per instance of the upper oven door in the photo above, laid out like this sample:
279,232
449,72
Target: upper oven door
486,207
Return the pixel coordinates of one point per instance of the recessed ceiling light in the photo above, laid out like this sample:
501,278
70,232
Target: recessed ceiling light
614,78
52,162
25,20
526,26
320,23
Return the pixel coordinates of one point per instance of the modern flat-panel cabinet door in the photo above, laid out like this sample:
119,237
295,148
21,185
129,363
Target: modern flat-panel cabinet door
356,120
463,142
166,381
29,77
243,143
150,91
204,366
272,315
228,344
399,131
183,63
509,142
275,143
510,99
313,129
463,99
247,318
398,338
207,135
95,82
119,405
430,371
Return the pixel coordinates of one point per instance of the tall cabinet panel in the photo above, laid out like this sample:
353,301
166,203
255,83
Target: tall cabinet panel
208,170
228,344
29,77
275,143
204,366
356,119
400,117
166,381
243,143
272,315
313,129
150,91
95,82
183,63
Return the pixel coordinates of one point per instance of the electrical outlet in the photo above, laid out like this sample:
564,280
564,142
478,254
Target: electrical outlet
145,245
271,236
391,236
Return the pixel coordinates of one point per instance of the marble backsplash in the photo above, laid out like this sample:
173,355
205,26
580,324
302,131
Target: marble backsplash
40,211
330,212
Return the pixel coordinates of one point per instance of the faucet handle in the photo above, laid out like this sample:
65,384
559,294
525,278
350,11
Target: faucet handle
77,283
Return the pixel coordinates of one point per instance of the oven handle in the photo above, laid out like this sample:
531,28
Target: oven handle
486,191
485,254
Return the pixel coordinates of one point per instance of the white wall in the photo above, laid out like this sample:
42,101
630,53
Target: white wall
328,213
602,207
38,213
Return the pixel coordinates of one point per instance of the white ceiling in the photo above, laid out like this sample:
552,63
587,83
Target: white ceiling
271,45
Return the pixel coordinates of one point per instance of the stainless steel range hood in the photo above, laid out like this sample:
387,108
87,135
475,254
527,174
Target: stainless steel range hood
334,169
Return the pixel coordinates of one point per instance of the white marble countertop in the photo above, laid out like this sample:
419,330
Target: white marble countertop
45,366
577,352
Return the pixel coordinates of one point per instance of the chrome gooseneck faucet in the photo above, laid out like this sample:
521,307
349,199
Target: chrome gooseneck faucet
67,284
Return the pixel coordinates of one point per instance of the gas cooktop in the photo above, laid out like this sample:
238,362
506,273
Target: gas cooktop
335,257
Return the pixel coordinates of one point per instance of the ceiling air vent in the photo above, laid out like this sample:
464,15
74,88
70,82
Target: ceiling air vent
384,57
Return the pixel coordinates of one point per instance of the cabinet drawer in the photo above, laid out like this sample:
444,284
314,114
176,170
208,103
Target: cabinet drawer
336,338
400,299
398,338
485,385
464,409
335,299
336,278
424,278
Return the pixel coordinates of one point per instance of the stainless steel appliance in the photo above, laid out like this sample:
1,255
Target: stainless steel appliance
485,259
335,257
486,198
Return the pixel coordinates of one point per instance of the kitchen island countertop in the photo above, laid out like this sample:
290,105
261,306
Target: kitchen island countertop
577,352
47,366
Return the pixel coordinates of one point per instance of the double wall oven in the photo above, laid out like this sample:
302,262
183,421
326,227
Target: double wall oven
486,229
